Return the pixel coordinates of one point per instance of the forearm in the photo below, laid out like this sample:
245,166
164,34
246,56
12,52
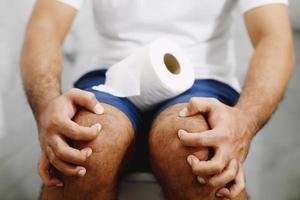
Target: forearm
41,67
41,63
269,71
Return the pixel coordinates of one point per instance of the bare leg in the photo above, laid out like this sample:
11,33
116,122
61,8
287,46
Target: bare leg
168,156
110,149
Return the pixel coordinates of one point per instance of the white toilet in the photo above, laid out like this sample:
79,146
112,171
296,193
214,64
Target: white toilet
137,186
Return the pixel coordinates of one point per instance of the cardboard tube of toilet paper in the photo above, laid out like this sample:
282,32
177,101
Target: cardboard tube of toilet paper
151,75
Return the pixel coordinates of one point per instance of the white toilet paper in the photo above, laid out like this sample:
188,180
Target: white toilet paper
152,74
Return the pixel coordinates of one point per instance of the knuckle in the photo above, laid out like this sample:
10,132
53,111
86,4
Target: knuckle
73,132
50,125
48,152
213,100
226,136
75,136
72,91
59,152
231,174
40,172
53,123
91,99
81,158
219,168
236,192
193,101
199,141
91,96
54,145
212,183
243,185
52,159
195,169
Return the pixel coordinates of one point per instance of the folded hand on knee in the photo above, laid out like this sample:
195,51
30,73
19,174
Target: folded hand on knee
56,126
229,137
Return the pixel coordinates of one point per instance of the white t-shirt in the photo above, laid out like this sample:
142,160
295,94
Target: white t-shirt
200,27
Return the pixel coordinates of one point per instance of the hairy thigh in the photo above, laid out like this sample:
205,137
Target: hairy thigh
110,149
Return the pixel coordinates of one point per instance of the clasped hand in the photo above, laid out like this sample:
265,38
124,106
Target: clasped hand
56,127
229,137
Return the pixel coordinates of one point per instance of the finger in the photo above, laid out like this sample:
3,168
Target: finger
43,171
68,154
237,187
198,105
85,99
63,167
201,180
205,138
223,193
226,176
210,167
74,131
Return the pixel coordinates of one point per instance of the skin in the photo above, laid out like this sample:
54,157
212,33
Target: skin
112,151
41,73
56,127
269,71
168,158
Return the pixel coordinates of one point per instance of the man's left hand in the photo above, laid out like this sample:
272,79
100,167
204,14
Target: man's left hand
230,136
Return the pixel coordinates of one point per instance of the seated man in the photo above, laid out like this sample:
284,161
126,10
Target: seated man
196,142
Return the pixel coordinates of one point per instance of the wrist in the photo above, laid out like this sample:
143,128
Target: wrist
40,108
250,122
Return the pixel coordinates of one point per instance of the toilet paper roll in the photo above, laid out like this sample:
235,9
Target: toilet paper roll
151,75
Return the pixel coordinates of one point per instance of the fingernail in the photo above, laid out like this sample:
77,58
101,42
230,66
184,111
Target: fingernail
180,132
59,185
190,160
88,152
99,109
201,180
183,112
82,172
219,194
98,126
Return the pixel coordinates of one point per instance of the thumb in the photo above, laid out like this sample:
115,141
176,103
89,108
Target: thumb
85,99
198,105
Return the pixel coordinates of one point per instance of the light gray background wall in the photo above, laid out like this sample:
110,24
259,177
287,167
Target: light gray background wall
273,166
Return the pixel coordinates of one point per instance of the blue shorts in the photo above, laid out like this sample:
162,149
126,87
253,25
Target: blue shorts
142,121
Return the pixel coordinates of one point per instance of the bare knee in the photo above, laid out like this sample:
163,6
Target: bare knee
110,149
168,155
164,133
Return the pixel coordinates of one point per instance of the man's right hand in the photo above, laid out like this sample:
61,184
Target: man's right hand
56,125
